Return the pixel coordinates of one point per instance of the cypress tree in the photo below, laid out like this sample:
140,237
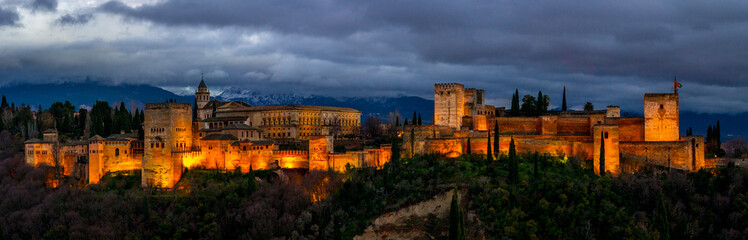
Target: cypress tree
535,159
489,153
718,135
194,111
4,104
468,151
456,223
414,118
496,140
214,110
515,103
563,104
661,222
602,154
397,121
405,123
395,149
419,119
412,142
513,164
539,103
709,141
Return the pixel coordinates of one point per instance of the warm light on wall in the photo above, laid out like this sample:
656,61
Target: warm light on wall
190,161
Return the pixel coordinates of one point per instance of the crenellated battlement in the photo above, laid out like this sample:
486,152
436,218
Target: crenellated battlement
447,86
290,152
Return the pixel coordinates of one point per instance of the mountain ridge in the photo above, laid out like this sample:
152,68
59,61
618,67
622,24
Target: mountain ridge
85,94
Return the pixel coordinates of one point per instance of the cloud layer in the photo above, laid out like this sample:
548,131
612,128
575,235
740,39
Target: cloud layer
607,52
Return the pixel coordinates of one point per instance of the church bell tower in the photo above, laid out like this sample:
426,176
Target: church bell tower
202,96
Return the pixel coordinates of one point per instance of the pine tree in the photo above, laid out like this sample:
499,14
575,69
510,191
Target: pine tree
456,222
496,140
489,153
469,150
419,119
563,104
602,154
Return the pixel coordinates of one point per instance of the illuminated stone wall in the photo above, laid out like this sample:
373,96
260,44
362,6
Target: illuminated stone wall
609,134
549,125
110,156
168,128
290,159
568,125
631,128
449,104
686,155
661,117
519,125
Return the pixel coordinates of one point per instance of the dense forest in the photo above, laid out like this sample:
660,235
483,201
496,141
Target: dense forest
24,122
521,197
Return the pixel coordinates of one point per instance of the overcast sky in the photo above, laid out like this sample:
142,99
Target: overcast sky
603,51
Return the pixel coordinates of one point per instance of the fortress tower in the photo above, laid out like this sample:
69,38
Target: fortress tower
202,96
661,116
449,104
168,131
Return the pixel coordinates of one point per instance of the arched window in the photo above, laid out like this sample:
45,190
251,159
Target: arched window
116,152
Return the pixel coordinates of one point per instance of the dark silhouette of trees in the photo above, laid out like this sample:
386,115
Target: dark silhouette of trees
588,107
515,103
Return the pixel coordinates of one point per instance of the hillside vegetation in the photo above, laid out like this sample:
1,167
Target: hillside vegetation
560,201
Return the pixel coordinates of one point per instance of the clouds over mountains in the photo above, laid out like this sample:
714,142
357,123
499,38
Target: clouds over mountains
607,52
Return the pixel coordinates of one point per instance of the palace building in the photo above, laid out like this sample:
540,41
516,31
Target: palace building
216,135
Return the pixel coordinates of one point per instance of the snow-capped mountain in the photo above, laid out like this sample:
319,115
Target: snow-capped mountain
369,106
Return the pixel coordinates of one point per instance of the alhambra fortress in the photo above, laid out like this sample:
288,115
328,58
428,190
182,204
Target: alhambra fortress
237,136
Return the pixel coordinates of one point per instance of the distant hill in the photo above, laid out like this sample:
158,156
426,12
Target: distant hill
86,93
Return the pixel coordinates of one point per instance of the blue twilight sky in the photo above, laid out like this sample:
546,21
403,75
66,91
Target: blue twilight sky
604,51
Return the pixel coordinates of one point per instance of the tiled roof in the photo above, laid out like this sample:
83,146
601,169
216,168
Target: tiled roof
239,126
224,119
220,137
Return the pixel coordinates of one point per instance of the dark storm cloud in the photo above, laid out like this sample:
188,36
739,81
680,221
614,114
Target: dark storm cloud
607,52
646,39
45,5
8,17
74,19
